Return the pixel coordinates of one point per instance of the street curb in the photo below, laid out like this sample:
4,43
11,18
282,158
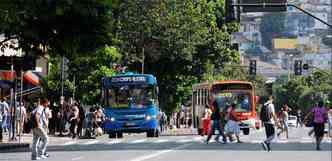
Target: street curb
9,146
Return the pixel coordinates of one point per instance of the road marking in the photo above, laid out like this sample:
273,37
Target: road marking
116,141
91,142
70,143
146,157
184,141
77,158
137,141
161,141
256,141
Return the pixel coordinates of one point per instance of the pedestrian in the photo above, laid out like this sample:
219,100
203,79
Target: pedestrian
81,115
48,117
299,118
1,118
232,125
99,116
216,124
90,123
284,121
320,117
330,120
40,138
20,118
161,118
73,119
5,115
269,119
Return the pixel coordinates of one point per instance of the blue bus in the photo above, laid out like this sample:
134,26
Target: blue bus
131,104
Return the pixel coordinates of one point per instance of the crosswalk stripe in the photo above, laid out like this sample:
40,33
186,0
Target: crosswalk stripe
161,141
137,141
70,143
185,141
91,142
116,141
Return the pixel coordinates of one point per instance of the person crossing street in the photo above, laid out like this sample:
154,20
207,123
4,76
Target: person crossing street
40,138
216,124
269,120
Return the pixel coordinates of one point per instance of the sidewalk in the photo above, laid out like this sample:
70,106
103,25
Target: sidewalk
23,142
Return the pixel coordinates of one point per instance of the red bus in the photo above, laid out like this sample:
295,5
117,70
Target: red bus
242,93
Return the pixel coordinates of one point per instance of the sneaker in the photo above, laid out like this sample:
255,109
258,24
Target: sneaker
268,147
35,158
44,156
264,146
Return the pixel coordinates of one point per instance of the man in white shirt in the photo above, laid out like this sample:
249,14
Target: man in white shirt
5,115
40,138
270,124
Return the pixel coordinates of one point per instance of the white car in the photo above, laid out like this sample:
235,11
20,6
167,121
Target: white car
292,120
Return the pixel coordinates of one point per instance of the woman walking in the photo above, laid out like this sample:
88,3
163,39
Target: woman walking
319,119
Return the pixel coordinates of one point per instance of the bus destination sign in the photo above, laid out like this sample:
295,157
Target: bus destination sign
128,79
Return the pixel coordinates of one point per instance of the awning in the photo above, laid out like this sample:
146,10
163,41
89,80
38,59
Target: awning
5,84
32,77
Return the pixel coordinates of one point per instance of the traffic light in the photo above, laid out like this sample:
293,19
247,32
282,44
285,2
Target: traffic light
305,66
263,5
298,67
252,67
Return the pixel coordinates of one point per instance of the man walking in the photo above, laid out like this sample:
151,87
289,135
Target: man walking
216,124
40,139
1,118
269,119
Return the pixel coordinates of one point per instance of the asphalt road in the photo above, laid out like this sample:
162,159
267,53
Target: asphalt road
299,147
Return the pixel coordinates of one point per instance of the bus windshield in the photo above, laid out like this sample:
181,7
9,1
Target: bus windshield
240,99
130,96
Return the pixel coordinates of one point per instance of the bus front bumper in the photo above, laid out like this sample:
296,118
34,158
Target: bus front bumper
131,126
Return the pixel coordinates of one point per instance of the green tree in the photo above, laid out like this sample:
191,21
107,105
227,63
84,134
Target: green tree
178,39
57,27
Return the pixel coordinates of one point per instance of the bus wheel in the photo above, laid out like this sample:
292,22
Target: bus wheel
112,135
246,131
150,133
119,135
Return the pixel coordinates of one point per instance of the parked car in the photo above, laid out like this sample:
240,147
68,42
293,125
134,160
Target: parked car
292,120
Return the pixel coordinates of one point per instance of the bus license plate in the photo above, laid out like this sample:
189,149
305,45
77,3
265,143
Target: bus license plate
130,124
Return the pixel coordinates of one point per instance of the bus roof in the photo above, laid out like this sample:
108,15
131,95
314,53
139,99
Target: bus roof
208,85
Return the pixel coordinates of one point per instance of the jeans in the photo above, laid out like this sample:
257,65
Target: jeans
1,131
270,132
39,142
216,126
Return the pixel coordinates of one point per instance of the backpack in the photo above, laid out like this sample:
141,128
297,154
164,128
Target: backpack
265,114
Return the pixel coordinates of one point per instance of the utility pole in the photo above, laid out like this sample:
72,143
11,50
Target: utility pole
143,59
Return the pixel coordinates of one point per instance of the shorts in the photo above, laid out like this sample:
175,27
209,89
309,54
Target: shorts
285,124
319,129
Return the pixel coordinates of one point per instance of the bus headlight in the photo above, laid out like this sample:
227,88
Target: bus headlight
148,117
112,119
